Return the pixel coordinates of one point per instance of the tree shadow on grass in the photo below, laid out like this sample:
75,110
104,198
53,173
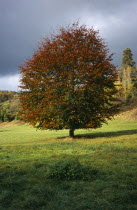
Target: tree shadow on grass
4,131
107,134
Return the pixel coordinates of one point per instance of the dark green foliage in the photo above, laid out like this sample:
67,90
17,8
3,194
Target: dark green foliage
9,109
71,170
127,59
3,111
6,95
128,77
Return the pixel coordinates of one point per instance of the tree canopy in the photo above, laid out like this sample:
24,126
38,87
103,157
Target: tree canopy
69,83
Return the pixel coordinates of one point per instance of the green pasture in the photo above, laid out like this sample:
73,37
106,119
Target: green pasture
48,170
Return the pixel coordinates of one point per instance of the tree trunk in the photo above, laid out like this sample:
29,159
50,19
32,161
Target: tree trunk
71,133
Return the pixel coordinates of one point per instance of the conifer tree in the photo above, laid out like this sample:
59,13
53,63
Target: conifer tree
127,59
128,66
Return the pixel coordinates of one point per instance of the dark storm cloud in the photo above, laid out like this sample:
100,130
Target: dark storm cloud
116,21
24,23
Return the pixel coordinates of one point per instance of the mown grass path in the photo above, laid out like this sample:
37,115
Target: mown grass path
28,157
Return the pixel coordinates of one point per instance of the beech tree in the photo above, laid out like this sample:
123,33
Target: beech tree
69,83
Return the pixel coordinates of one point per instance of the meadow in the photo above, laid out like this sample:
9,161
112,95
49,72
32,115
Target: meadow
48,170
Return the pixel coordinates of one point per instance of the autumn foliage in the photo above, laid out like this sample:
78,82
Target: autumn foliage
69,83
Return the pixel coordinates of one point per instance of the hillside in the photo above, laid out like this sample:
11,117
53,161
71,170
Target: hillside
6,95
9,106
129,115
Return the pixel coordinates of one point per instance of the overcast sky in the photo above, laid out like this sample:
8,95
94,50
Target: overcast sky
24,23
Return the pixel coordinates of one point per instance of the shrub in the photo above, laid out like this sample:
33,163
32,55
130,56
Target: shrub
71,170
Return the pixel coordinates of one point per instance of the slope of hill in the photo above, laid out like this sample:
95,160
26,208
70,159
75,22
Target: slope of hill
9,106
129,114
6,95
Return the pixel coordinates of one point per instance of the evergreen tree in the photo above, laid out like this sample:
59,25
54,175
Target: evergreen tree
128,66
127,59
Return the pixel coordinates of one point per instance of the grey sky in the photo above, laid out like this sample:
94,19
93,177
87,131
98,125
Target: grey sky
23,24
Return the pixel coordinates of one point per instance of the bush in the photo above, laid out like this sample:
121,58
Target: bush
71,170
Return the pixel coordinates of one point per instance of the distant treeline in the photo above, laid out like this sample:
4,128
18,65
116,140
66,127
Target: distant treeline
9,106
6,95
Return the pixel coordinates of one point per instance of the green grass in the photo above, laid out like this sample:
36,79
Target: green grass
47,170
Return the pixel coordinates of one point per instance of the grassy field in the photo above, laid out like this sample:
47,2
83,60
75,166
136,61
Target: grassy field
48,170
